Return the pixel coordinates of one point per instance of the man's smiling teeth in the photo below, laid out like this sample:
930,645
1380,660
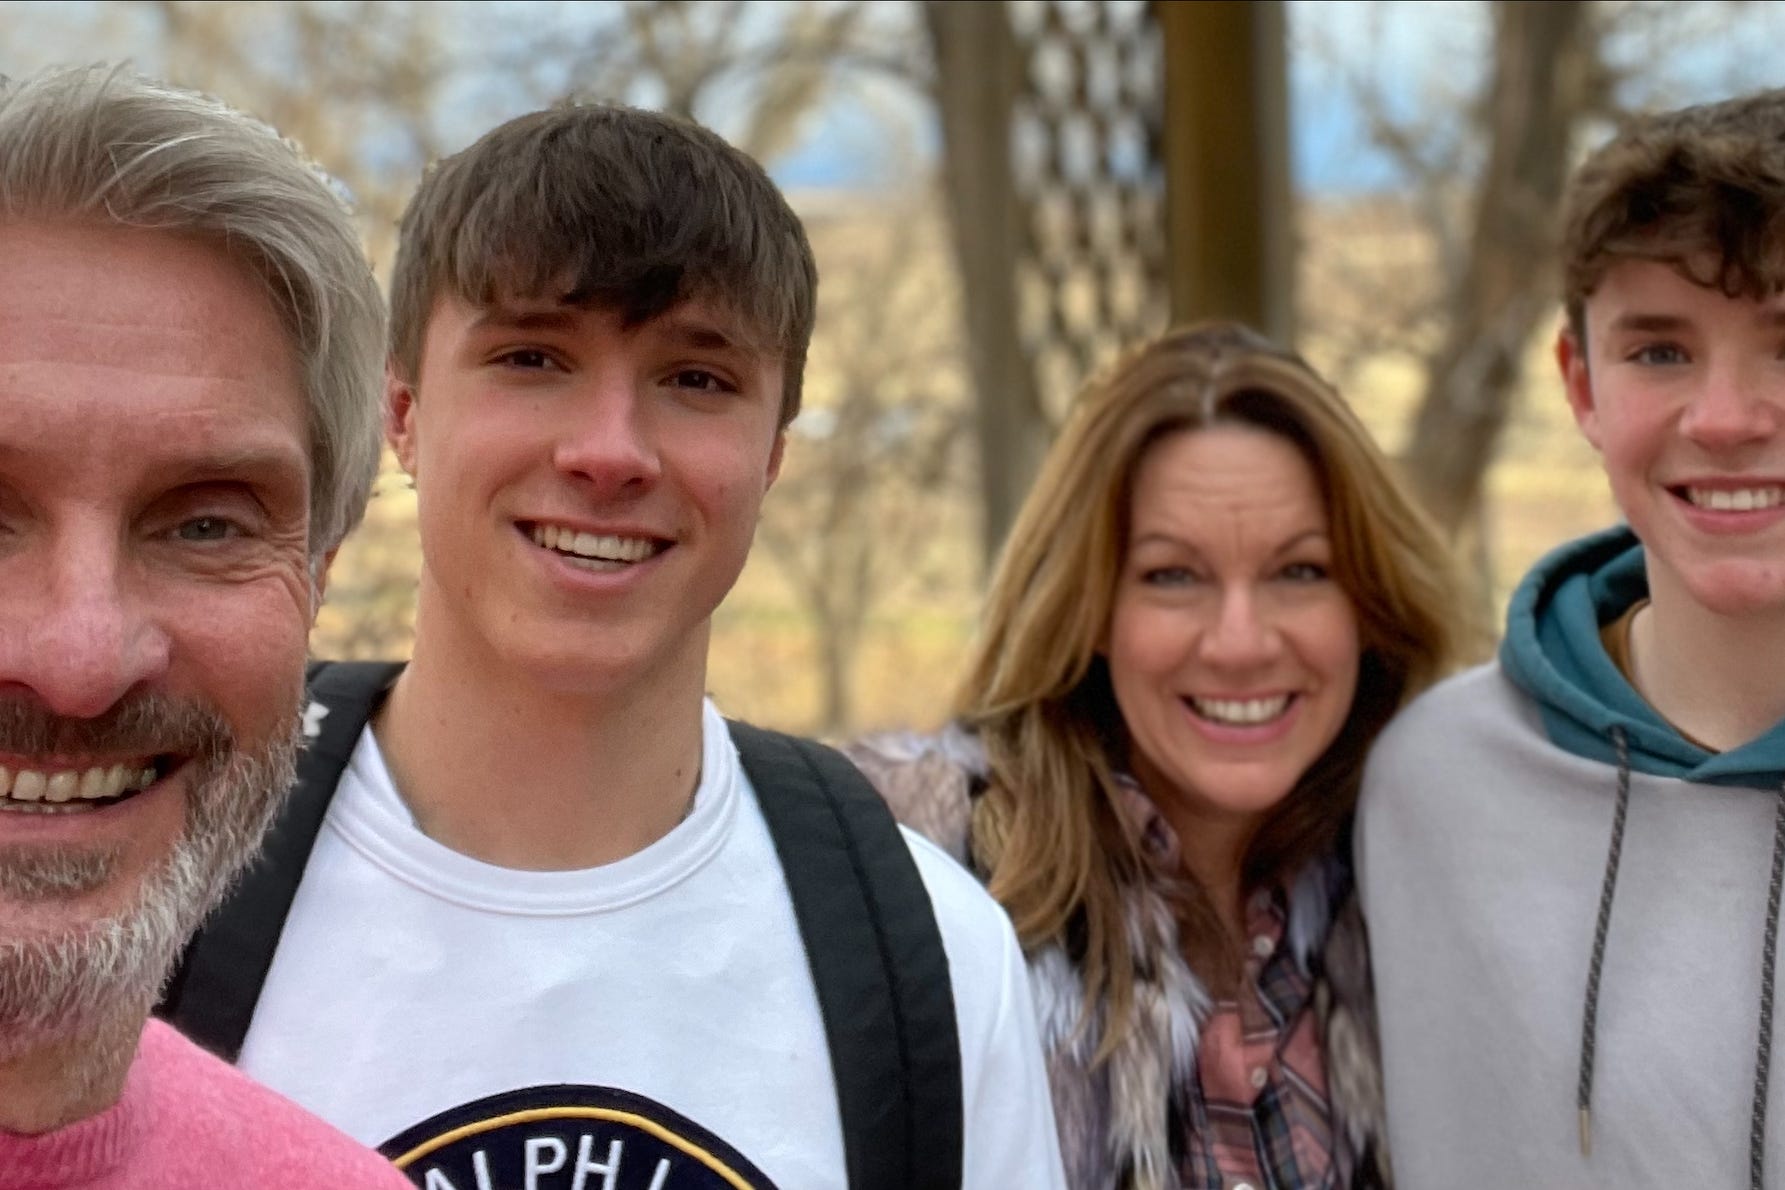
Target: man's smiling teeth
33,788
1240,711
1736,499
594,546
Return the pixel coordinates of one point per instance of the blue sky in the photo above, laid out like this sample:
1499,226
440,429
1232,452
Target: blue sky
1426,56
1335,47
1414,57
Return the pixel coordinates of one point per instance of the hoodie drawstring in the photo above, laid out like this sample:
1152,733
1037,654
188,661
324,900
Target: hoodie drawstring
1590,1025
1769,953
1763,1056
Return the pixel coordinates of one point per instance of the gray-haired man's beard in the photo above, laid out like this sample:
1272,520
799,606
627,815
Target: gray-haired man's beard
61,987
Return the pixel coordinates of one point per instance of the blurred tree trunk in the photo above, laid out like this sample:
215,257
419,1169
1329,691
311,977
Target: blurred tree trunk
840,613
978,75
870,470
1545,80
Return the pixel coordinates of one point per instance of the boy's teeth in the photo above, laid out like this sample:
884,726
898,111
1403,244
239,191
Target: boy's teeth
1736,499
605,547
73,785
1241,710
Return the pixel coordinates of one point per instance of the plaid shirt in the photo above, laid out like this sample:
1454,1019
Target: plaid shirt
1257,1114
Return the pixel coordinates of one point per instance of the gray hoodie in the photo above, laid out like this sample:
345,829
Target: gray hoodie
1569,902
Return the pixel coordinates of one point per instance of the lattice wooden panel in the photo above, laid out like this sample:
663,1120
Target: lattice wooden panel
1087,158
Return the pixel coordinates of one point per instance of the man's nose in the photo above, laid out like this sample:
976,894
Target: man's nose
80,633
609,440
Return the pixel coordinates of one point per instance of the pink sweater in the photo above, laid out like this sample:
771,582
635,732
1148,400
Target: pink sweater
188,1121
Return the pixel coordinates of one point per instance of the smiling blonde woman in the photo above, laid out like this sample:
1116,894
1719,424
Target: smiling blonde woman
1213,600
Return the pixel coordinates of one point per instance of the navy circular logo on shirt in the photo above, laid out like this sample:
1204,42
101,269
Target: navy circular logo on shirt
568,1137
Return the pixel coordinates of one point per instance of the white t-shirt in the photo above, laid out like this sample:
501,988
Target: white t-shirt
647,1024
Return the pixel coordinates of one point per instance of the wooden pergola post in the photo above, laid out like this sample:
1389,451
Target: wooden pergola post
1229,232
979,75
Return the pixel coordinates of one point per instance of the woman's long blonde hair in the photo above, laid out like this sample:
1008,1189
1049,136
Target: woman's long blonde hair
1038,691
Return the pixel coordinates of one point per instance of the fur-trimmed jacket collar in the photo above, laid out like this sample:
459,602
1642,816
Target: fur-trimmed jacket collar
1116,1121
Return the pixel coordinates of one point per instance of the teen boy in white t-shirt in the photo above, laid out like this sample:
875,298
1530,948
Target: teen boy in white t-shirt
543,938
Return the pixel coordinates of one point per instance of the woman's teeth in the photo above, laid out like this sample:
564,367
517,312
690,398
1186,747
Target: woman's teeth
1240,712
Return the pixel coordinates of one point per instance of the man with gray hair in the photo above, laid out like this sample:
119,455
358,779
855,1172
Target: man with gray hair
190,356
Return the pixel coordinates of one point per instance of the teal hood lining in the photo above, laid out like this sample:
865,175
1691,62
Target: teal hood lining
1553,653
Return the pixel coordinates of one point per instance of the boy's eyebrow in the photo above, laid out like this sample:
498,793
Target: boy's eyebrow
536,319
1661,324
698,333
1653,324
681,329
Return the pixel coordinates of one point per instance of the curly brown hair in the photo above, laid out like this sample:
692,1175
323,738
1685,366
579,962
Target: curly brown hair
1701,188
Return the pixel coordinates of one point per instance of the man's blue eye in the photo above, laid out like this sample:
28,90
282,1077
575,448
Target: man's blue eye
205,528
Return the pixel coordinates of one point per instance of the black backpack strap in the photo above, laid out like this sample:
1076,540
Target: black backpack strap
877,961
217,983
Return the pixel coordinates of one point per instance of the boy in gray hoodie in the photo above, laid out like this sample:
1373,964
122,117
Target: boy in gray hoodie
1571,858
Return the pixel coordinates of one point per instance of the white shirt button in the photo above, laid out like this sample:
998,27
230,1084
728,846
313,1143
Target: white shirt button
1262,947
1260,1076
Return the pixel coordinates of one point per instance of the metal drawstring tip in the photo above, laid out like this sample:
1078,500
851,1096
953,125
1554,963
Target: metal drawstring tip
1586,1132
